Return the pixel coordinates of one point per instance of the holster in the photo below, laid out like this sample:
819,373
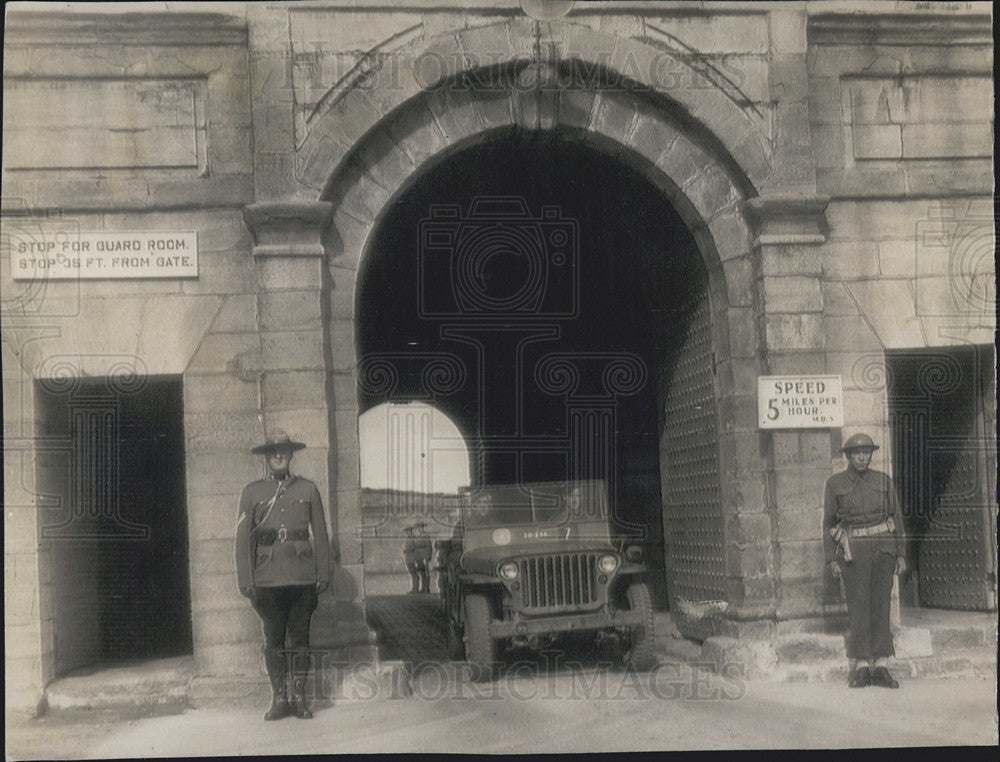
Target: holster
841,537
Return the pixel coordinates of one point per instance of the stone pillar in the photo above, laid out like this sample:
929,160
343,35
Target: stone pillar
789,230
297,393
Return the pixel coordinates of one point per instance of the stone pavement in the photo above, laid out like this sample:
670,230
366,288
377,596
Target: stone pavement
929,642
577,701
586,710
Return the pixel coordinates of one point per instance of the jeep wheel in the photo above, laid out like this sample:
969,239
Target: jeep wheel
640,651
480,648
456,648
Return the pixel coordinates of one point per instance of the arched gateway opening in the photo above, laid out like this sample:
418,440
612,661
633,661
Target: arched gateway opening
558,270
568,301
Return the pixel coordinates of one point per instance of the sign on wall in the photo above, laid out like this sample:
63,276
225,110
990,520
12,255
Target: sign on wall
799,402
113,255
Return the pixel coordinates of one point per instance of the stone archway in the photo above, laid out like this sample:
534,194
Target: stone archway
377,146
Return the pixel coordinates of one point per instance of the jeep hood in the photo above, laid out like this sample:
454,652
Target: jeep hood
484,560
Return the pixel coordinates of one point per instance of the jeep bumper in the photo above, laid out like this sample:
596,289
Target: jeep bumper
565,623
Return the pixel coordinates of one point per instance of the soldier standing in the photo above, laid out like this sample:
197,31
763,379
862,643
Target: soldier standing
863,539
417,554
282,569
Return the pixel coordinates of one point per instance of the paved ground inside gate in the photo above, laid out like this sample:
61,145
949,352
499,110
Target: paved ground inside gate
586,711
578,702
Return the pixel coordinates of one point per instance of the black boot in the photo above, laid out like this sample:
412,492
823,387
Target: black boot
300,705
274,661
280,708
300,674
882,678
425,582
860,678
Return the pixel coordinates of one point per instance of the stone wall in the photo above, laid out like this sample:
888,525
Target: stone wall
179,84
834,162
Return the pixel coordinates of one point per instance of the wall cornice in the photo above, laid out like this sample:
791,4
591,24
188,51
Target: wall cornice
160,29
899,29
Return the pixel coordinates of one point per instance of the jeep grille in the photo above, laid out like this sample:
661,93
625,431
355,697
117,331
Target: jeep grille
560,581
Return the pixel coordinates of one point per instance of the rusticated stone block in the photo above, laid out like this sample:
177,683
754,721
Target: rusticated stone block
414,129
749,528
850,261
277,273
291,310
798,489
711,191
240,659
751,560
801,598
682,161
852,333
220,472
292,350
801,559
795,294
752,659
576,107
294,390
794,331
215,431
731,236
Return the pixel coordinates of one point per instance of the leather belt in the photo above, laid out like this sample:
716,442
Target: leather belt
886,526
268,535
843,534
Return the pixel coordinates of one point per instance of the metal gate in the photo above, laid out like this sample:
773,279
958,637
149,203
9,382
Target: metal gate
689,464
943,415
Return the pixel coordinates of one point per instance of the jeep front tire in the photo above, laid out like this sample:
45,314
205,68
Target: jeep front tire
641,636
480,648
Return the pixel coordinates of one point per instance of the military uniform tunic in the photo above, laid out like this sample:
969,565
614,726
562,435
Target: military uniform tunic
856,499
294,557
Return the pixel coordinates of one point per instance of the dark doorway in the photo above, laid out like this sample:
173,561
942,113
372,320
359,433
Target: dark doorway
113,519
942,412
575,301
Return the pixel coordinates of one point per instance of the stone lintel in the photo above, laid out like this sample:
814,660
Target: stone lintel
780,218
288,228
43,27
873,28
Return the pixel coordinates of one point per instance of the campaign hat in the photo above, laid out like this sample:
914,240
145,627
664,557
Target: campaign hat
277,440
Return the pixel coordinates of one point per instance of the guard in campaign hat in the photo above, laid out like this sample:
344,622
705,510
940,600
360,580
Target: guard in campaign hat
282,564
863,540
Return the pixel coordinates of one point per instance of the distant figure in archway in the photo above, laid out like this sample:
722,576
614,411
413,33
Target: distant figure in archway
417,554
281,569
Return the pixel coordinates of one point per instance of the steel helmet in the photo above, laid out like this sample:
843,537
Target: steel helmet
858,442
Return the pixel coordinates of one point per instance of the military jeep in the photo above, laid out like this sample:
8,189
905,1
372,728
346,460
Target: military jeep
528,562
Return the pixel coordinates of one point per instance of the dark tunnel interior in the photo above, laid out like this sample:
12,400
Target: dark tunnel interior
568,250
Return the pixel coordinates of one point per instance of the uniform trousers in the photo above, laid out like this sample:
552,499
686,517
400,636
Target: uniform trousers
868,588
285,610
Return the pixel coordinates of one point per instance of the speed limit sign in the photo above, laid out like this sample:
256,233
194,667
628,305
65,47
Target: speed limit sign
800,402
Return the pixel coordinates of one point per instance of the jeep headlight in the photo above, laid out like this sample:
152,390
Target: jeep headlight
508,570
607,564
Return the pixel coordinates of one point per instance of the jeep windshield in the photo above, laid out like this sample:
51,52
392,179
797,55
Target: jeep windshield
540,503
509,516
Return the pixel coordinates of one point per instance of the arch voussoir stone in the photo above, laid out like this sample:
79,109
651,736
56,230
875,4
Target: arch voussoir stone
651,137
384,160
710,191
455,113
